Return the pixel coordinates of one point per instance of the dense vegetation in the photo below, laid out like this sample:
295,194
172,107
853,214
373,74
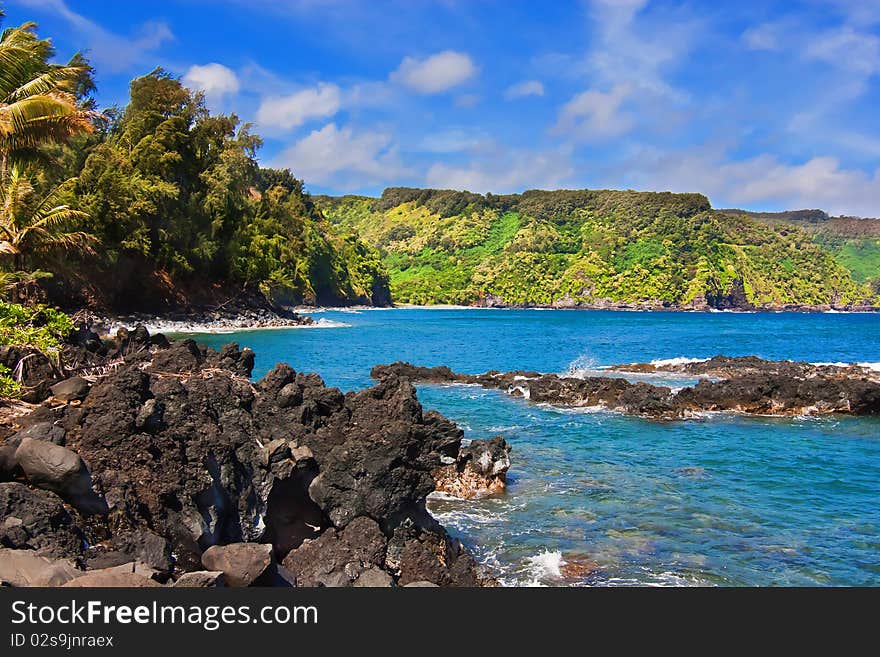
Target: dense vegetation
589,247
854,242
140,207
39,327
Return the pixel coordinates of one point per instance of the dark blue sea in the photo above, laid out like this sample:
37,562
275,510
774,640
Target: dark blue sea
716,500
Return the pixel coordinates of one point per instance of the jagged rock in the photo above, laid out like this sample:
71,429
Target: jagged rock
61,471
422,584
36,519
73,389
148,548
750,385
430,556
337,558
201,579
231,358
179,441
243,564
27,568
480,469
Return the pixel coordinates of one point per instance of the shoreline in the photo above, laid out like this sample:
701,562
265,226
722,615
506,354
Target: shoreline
199,324
181,327
859,310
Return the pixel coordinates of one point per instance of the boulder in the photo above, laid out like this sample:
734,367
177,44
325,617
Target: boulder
61,471
421,584
201,579
116,577
27,568
73,389
47,430
243,564
146,547
36,519
374,578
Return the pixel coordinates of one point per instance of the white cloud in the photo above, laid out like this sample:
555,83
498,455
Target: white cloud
595,114
524,88
759,182
765,36
435,74
846,48
467,101
504,171
106,49
214,79
288,112
342,158
636,50
454,140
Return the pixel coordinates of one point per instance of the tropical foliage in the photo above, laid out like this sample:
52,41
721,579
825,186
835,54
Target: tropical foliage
39,327
159,193
174,186
586,246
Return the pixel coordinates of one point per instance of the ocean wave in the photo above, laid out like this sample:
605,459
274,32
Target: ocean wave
678,360
326,323
546,565
582,367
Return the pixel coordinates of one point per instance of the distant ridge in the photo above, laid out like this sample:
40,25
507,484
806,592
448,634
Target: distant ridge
607,249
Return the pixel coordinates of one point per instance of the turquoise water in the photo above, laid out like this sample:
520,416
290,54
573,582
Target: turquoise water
723,499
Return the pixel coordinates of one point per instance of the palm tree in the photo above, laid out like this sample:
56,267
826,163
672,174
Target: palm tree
31,227
38,103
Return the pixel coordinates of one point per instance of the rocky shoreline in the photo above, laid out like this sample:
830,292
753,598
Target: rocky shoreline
699,305
162,463
208,321
746,385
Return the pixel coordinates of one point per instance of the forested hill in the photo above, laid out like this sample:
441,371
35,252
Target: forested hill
161,206
854,241
591,248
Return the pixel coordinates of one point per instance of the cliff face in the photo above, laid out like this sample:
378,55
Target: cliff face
586,248
168,456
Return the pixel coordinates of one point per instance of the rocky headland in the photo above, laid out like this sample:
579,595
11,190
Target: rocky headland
746,385
147,462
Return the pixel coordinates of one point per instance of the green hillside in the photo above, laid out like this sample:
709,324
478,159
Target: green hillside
589,248
854,242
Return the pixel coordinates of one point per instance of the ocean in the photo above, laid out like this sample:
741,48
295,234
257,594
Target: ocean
597,498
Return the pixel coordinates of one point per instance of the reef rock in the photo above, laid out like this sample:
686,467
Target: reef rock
747,385
480,469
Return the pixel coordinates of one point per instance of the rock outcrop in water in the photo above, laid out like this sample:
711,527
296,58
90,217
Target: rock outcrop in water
173,465
480,469
748,385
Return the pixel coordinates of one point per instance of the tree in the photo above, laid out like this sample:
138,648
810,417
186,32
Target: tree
38,100
32,227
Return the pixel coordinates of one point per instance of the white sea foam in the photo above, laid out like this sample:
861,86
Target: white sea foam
220,328
524,390
581,367
546,565
679,360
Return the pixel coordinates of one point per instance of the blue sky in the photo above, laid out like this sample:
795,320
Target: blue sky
758,104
